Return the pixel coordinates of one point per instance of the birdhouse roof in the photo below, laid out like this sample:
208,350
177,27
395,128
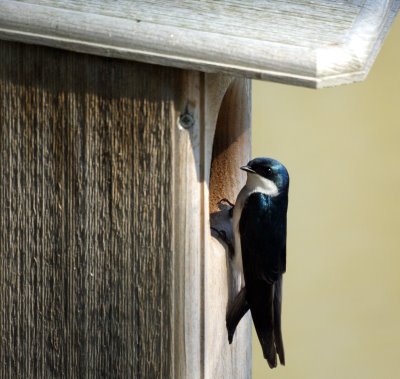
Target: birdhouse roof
314,43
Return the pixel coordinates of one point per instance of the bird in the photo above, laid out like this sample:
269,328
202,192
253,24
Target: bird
259,222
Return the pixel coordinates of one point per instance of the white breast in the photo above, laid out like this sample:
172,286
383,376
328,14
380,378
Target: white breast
255,183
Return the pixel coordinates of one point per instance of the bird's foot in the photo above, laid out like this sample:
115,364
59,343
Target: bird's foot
222,235
226,201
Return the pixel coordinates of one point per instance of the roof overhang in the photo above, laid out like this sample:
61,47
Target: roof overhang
309,43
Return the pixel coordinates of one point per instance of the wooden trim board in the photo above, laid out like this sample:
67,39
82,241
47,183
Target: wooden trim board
314,44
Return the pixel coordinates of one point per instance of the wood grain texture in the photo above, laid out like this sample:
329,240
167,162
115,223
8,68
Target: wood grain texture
231,149
86,254
232,144
104,220
315,44
202,298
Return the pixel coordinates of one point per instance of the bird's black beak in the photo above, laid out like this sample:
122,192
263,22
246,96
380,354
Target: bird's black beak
248,169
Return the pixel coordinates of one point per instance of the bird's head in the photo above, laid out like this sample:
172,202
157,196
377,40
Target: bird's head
267,175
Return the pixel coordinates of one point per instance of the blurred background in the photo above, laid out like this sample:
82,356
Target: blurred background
341,300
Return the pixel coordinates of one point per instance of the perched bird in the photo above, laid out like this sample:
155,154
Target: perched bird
259,226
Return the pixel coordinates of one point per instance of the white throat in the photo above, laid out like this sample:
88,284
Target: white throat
257,183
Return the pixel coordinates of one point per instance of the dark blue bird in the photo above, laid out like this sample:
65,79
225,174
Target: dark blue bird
259,225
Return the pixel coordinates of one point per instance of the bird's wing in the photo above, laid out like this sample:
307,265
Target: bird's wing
262,228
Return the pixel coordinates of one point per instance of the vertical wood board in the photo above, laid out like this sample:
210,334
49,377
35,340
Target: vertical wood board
86,218
231,149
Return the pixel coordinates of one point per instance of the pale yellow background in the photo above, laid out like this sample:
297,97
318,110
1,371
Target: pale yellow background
341,311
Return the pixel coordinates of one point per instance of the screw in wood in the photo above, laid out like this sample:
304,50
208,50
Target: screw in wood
186,119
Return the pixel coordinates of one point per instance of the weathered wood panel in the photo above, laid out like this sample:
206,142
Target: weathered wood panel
85,248
311,43
104,221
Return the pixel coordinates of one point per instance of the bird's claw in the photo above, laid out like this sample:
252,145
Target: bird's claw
226,201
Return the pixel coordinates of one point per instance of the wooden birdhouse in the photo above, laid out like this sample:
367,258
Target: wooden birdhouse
122,125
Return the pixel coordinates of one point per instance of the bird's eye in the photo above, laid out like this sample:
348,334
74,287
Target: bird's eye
269,170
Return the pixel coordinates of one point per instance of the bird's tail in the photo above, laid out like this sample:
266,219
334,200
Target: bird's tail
238,309
277,320
265,317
